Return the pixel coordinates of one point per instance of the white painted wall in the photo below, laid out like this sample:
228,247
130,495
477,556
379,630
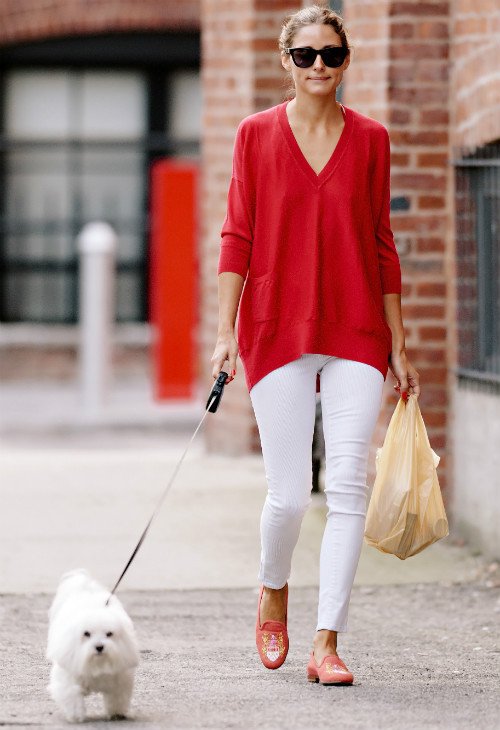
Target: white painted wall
475,501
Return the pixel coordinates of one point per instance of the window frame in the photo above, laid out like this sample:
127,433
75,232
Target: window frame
156,56
477,177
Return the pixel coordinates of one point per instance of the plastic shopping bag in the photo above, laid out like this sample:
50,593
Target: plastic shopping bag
406,511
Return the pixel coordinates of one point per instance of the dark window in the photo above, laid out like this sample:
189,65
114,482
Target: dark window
478,263
77,142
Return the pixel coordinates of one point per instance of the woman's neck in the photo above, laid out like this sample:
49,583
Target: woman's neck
314,111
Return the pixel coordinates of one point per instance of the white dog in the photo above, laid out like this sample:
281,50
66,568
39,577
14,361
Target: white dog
92,647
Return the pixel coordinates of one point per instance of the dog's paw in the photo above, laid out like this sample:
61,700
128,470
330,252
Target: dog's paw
75,715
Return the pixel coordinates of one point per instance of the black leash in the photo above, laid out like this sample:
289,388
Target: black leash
212,404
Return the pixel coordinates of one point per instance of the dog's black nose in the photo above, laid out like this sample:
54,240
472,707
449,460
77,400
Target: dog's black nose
99,648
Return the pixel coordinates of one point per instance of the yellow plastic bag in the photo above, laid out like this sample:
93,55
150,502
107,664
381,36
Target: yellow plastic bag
406,511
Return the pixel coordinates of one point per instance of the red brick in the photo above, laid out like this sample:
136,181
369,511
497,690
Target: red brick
434,116
430,245
429,138
406,289
435,419
432,333
471,26
432,159
420,95
430,396
399,116
399,159
431,289
421,224
418,181
419,8
419,51
432,29
402,30
435,202
423,311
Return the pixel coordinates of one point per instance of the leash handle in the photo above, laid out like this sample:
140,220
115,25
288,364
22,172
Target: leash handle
216,392
212,405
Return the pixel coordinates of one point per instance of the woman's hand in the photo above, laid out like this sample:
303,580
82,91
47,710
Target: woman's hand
226,349
405,373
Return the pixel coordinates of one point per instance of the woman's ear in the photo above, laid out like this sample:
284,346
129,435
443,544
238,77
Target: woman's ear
285,61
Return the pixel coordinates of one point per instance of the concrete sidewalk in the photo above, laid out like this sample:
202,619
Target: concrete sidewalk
86,507
423,638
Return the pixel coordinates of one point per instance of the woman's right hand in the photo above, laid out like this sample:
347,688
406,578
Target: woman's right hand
226,349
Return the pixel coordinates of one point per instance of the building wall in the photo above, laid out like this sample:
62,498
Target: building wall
475,425
399,76
475,77
28,20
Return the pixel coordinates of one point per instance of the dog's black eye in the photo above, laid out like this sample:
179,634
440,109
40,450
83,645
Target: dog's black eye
110,633
87,634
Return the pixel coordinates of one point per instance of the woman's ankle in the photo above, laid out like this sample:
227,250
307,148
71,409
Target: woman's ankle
325,640
275,592
273,605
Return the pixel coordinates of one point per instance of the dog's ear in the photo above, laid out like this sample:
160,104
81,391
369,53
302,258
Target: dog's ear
127,642
64,646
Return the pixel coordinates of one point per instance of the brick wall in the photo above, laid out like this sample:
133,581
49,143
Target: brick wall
475,77
242,73
27,20
475,121
405,86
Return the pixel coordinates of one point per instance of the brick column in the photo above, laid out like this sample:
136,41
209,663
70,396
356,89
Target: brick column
399,75
241,74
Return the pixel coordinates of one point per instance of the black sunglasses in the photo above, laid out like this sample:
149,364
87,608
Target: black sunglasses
332,57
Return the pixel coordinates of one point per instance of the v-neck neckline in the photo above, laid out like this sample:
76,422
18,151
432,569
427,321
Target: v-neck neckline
316,178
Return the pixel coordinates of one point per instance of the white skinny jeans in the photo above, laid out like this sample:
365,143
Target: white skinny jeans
284,402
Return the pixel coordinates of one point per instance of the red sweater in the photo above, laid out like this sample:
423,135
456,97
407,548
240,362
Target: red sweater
317,251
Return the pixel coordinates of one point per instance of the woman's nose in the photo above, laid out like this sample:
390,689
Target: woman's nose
318,63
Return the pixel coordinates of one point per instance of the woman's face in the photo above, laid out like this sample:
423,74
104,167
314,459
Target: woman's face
318,79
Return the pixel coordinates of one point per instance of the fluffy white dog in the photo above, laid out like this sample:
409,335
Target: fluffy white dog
92,647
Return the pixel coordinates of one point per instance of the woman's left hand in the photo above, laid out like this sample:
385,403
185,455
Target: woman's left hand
405,373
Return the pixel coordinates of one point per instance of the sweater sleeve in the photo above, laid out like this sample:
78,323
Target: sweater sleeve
388,259
237,229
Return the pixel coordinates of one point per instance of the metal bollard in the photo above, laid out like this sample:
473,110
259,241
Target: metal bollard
96,243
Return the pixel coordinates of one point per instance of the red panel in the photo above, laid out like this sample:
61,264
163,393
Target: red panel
173,278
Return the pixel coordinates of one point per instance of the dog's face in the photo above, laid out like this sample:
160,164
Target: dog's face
95,641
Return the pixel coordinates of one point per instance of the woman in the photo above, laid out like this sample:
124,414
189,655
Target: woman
307,226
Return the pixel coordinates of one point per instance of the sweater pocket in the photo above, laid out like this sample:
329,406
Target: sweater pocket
263,304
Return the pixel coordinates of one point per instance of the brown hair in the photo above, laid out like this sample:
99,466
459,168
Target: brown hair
314,14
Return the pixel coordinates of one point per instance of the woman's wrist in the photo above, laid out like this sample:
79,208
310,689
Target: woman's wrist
225,330
398,347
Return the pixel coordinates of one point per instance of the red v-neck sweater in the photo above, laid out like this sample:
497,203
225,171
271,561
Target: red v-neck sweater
317,251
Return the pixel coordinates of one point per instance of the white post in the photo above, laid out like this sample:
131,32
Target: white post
97,245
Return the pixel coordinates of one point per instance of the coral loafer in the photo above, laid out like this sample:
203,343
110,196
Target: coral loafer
332,670
271,638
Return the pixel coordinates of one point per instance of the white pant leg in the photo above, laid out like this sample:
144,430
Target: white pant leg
284,402
351,396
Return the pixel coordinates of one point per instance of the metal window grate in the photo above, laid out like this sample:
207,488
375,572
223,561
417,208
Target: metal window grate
477,194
